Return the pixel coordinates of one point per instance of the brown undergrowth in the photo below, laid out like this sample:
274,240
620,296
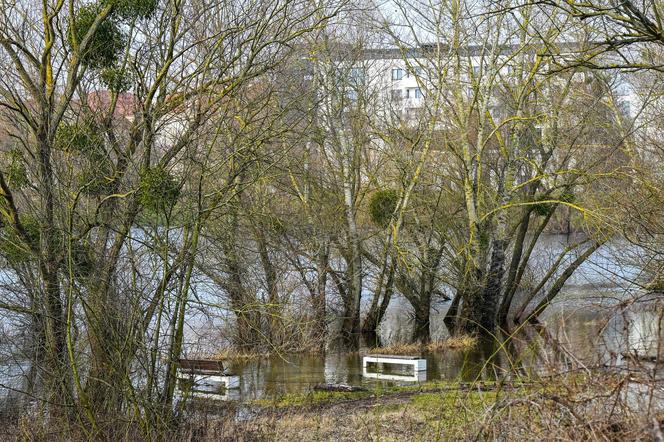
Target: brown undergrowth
465,342
577,405
589,405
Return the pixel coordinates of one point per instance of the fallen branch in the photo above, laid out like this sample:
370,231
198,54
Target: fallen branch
339,387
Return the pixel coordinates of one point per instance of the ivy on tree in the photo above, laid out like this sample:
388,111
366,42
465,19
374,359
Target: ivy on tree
116,79
382,206
79,138
15,173
129,9
541,208
109,40
13,246
158,190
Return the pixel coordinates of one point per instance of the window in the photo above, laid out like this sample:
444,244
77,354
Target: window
397,74
412,112
395,94
357,76
476,71
414,92
352,94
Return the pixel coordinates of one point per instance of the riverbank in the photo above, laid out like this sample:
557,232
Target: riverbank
581,404
574,406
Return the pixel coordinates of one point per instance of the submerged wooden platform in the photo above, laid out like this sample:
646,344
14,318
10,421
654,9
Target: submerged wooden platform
417,364
201,365
407,358
206,377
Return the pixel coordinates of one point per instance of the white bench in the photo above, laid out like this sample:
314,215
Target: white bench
419,367
418,376
207,386
206,379
210,381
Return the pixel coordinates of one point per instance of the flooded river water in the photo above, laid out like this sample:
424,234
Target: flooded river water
599,318
579,329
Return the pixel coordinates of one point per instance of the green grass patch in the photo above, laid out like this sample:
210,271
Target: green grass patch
447,392
311,398
453,400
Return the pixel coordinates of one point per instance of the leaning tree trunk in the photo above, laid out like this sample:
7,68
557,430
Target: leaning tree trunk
379,304
452,312
556,287
510,283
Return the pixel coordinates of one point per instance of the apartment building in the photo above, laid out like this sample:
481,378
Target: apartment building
394,83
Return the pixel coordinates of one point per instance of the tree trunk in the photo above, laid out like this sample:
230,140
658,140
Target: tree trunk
56,370
57,373
475,310
350,330
319,301
179,323
108,327
385,287
517,252
557,285
493,288
243,306
421,328
452,312
273,309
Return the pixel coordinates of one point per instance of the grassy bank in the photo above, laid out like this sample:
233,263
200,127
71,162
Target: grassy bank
577,405
574,406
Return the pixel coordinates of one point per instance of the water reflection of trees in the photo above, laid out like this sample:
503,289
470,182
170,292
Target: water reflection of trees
582,338
614,337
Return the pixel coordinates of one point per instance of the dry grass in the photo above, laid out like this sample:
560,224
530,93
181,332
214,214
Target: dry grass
231,354
461,342
456,342
656,285
237,355
568,408
576,406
